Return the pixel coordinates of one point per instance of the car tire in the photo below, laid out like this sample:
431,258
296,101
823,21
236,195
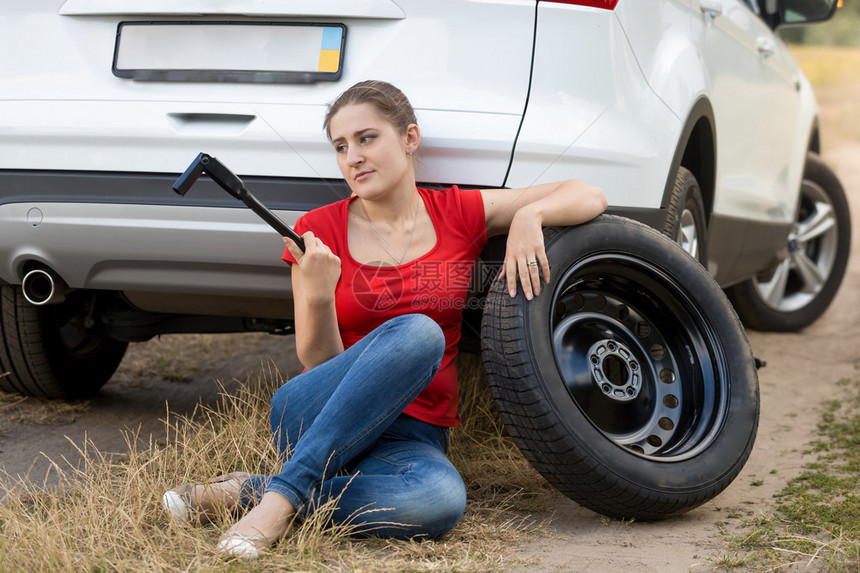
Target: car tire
799,289
628,383
46,351
686,222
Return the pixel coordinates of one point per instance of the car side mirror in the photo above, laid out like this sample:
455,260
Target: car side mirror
798,12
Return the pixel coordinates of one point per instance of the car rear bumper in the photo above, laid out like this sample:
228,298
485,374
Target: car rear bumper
121,232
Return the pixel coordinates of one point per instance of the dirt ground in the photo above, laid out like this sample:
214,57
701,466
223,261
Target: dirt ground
801,375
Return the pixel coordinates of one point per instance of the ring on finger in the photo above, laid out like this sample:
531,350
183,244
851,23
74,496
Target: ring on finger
532,263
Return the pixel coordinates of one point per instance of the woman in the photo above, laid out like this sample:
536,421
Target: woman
378,293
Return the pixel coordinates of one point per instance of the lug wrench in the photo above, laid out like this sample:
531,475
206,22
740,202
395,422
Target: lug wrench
228,181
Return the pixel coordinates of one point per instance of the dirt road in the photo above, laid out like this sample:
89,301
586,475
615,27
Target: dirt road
801,374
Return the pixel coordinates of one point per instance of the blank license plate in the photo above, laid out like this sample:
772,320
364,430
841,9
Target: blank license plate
229,51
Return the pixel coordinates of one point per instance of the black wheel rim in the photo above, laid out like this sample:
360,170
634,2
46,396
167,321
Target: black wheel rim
639,357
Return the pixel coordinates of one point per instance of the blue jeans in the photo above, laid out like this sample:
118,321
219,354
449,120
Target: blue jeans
342,422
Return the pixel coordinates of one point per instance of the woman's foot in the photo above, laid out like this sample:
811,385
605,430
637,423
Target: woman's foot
259,529
198,503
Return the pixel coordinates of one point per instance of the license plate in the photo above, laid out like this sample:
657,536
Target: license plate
262,52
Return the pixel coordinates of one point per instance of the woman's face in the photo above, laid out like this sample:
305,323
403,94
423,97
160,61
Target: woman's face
371,153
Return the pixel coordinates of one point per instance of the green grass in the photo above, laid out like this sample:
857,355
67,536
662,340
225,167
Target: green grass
816,521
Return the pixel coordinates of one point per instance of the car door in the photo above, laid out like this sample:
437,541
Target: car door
780,127
754,100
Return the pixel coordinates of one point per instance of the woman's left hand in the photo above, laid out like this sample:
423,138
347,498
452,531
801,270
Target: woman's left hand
525,255
522,213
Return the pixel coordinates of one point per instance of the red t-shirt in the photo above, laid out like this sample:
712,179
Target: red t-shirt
434,284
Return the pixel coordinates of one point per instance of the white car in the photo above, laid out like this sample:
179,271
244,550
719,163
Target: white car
690,114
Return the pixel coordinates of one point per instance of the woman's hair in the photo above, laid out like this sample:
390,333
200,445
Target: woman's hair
388,100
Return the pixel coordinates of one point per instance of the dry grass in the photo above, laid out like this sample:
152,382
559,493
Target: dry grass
32,411
176,358
493,468
106,515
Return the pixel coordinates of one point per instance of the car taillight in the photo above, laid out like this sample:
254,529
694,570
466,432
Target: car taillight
606,4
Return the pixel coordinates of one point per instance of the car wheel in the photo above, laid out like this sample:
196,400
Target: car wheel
629,383
686,222
799,289
47,351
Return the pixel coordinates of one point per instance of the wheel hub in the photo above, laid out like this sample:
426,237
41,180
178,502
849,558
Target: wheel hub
793,243
614,370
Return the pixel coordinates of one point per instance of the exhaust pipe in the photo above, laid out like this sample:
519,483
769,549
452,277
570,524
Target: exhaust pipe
42,287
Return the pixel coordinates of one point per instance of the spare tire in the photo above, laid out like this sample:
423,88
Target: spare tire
629,383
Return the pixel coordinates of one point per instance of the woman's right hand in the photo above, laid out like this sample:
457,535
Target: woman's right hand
319,267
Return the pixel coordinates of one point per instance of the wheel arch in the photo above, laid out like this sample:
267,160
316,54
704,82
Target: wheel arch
697,152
